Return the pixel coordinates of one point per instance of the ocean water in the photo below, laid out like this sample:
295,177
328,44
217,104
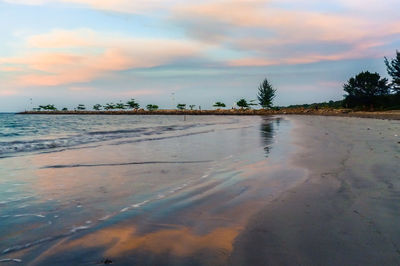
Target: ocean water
30,133
136,189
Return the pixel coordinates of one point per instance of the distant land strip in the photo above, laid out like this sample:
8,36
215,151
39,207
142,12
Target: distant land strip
284,111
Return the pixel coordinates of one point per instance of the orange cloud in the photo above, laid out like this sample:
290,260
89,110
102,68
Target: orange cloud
63,39
354,35
125,6
8,92
135,93
87,55
227,24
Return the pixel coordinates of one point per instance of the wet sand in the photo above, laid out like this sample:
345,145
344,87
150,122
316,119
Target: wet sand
175,198
346,212
295,190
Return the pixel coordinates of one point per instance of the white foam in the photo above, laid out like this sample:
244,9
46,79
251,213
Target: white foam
124,209
9,260
30,214
105,218
79,228
139,204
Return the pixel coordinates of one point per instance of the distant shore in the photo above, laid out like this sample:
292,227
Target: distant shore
284,111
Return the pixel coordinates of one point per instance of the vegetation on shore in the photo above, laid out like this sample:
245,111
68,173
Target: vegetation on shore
365,91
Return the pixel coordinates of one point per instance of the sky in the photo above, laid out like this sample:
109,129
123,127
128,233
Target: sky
164,52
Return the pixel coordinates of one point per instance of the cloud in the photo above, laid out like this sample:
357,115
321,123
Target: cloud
82,89
122,6
8,92
70,56
241,32
142,92
275,34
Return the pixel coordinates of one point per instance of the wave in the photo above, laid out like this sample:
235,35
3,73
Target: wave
11,148
121,164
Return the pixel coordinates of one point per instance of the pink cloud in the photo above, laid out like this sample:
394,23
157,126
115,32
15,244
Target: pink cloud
79,63
8,92
135,93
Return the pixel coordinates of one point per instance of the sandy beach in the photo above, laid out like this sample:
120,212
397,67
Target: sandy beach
282,190
346,212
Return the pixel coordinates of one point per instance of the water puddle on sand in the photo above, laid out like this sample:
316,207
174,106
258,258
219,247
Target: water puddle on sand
186,204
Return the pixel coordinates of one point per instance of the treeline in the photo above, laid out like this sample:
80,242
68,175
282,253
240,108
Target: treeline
365,91
330,104
368,91
265,96
131,104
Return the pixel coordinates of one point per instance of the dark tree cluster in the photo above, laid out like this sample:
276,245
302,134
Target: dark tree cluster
369,91
330,104
49,107
152,107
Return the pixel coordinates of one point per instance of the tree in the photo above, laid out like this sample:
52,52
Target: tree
97,107
81,107
365,89
242,103
109,106
192,106
65,109
252,103
181,106
393,68
120,106
133,104
266,94
49,107
152,107
219,105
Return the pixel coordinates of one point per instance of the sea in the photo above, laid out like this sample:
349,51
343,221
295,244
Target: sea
131,189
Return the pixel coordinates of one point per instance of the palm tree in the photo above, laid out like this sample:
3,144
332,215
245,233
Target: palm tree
109,106
120,106
242,103
152,107
49,107
133,104
181,106
97,107
81,107
219,105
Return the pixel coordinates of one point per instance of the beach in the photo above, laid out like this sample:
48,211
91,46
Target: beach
209,190
346,212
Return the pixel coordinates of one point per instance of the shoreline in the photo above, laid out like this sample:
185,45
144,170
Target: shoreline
391,115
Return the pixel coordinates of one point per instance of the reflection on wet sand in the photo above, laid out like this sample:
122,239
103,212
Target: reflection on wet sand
96,203
268,130
177,242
